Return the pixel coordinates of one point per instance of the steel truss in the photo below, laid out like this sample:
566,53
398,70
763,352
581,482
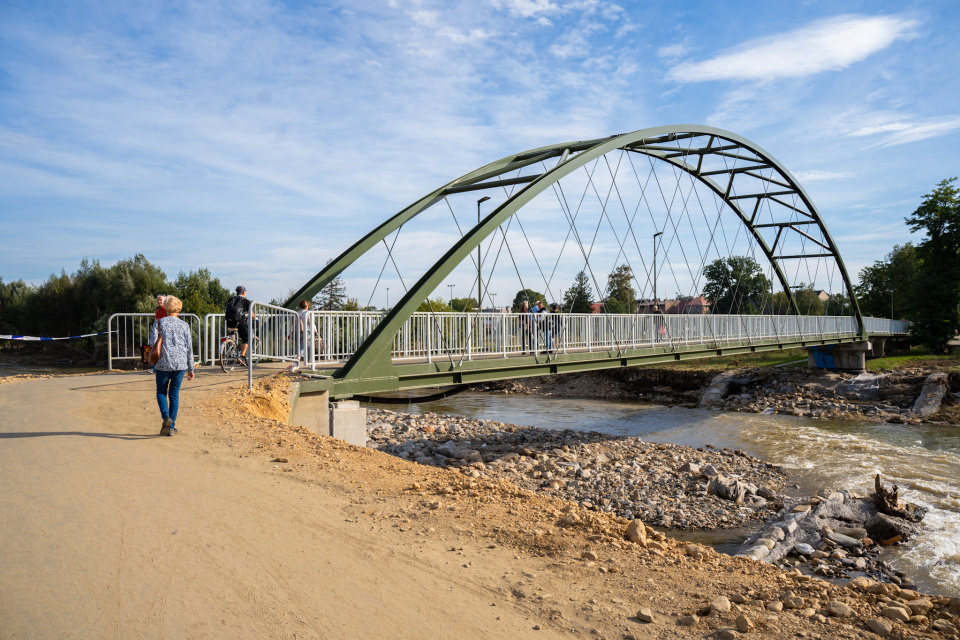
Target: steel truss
685,147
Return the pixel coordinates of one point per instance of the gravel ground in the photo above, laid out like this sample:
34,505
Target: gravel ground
659,484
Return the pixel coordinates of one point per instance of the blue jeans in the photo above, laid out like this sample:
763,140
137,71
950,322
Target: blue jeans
168,385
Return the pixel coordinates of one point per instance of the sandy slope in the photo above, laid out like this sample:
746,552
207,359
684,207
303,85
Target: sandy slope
109,531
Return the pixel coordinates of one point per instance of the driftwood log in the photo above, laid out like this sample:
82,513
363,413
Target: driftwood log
888,502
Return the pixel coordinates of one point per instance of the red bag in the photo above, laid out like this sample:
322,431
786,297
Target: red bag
154,356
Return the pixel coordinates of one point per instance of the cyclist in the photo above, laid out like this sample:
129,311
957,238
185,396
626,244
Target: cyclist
236,316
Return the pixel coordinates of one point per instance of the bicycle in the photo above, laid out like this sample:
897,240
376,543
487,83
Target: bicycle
230,350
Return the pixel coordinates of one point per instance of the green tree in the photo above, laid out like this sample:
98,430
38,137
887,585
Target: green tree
13,297
808,301
937,290
200,293
332,297
528,295
838,305
735,285
579,297
620,292
435,305
463,304
614,305
885,287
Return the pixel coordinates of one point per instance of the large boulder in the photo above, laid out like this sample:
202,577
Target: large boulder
730,488
883,527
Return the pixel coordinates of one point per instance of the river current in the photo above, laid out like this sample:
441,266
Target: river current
923,460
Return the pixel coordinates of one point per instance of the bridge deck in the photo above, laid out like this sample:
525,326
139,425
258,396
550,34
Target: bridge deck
413,373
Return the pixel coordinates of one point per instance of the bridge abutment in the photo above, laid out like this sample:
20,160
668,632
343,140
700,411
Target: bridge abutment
849,357
344,420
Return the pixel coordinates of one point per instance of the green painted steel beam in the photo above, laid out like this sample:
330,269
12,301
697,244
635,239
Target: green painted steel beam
372,359
381,232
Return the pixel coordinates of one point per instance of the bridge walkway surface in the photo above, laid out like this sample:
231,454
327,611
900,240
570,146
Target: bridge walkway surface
110,531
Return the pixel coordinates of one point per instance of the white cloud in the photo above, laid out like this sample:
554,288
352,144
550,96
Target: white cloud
816,175
826,45
527,8
676,50
904,132
571,45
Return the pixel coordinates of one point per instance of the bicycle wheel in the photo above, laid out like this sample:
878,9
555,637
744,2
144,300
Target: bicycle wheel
254,349
228,355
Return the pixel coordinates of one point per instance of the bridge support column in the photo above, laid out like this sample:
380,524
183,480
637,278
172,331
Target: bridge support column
348,422
344,420
851,356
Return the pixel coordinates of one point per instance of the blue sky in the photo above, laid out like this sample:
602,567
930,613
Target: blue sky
260,139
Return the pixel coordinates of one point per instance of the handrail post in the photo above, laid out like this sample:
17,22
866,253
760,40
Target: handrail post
110,343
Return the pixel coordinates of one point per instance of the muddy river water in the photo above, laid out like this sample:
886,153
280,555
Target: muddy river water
924,460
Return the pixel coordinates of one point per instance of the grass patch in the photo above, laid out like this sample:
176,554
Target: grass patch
741,360
920,357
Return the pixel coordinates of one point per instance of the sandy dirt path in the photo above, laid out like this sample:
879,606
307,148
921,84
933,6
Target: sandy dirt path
109,531
245,527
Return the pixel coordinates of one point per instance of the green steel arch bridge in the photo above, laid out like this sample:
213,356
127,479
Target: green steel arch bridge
668,202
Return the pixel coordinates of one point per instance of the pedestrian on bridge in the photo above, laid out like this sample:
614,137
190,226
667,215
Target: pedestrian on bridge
526,328
175,343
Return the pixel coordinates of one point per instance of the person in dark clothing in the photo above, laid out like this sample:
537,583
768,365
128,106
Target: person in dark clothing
238,308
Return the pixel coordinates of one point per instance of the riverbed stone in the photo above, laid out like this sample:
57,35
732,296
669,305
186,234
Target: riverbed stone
880,627
839,609
721,604
774,533
944,626
688,620
896,614
842,540
636,532
788,527
920,607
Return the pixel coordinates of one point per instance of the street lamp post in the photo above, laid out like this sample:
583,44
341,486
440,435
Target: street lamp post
891,304
388,298
493,297
451,286
655,266
479,277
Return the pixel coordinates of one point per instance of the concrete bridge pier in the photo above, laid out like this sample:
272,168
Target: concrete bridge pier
849,357
344,420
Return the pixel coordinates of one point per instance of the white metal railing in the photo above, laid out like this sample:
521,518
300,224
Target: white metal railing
127,333
332,337
429,336
885,326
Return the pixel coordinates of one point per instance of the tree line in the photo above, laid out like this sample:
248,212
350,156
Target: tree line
82,302
921,282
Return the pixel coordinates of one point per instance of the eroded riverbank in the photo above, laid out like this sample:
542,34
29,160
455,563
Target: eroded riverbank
816,455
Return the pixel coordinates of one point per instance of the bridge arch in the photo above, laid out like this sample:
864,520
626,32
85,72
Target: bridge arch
682,146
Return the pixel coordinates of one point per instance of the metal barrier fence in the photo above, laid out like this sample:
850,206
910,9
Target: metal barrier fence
331,337
127,333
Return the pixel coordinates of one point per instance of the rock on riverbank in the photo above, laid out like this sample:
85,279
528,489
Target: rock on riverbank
660,484
835,534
